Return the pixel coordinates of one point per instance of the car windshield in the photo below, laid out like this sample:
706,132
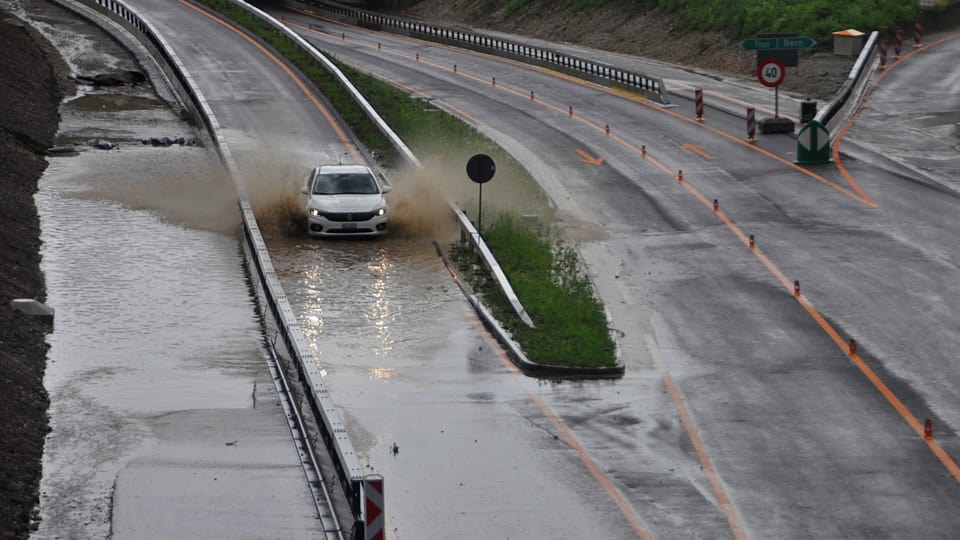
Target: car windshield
345,184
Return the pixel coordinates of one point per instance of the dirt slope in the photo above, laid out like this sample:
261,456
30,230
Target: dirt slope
649,35
29,98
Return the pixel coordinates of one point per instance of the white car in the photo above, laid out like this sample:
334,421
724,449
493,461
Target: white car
345,200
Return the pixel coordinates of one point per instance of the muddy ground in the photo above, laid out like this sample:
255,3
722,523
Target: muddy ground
30,93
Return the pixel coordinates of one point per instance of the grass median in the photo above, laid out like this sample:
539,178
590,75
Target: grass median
547,275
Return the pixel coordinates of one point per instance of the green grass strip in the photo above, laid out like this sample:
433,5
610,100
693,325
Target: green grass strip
571,326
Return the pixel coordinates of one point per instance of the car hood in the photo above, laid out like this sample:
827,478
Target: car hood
347,203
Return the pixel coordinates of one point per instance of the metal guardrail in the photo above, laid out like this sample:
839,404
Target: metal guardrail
652,87
342,79
856,81
470,233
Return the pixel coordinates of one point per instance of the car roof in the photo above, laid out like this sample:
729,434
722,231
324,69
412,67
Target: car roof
344,169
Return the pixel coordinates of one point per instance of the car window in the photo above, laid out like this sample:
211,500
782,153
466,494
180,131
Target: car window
345,184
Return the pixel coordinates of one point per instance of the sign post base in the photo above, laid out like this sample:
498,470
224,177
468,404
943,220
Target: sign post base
776,125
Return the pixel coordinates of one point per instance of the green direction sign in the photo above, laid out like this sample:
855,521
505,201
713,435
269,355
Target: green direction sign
813,144
774,43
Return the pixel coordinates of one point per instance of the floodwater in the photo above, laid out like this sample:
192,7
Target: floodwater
156,366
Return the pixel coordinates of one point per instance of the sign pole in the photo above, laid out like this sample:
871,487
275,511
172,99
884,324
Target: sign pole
480,212
776,102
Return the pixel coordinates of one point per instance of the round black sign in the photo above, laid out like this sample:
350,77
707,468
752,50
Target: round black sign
480,168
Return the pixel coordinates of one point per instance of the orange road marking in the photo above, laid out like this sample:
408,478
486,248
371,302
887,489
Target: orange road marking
300,84
874,379
846,127
733,519
696,149
627,509
587,158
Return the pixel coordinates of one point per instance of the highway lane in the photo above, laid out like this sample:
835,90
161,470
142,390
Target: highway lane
406,362
794,427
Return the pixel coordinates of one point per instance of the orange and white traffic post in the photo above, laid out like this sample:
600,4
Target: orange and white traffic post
373,509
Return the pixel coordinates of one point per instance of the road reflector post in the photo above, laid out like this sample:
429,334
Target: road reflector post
716,205
928,429
454,68
883,53
679,175
796,287
571,111
853,346
813,144
379,46
698,101
606,130
494,81
643,150
917,30
898,43
752,241
343,35
751,125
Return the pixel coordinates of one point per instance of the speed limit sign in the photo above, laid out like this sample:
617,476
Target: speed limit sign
771,72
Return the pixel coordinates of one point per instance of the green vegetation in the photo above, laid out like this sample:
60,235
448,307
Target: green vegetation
546,275
571,327
743,18
815,18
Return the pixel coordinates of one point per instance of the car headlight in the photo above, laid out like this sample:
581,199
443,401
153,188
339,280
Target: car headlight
313,211
381,211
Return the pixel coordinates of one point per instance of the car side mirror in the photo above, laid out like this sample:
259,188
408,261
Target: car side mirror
386,188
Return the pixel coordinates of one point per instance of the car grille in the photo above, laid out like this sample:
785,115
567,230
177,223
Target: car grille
349,231
352,216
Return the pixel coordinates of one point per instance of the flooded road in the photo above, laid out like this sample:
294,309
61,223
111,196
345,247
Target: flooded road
410,365
164,419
